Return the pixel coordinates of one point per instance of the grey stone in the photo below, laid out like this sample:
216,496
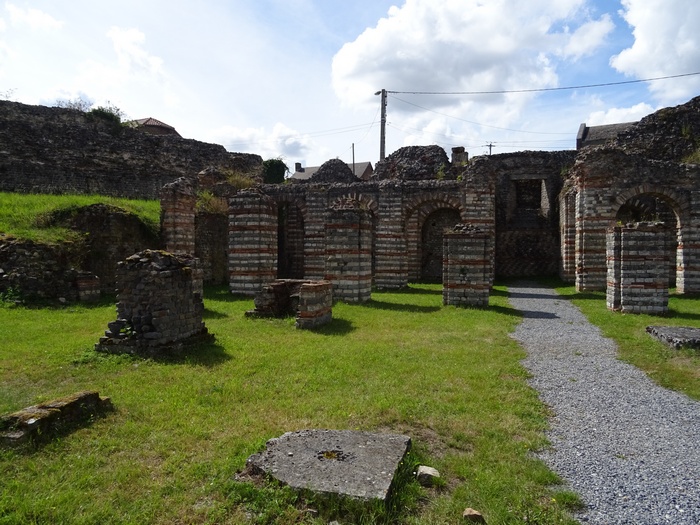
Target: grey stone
356,464
426,476
676,336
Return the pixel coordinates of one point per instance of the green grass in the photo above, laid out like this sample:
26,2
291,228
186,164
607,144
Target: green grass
450,378
25,215
675,369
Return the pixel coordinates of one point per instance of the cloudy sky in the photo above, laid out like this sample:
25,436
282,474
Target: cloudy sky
297,79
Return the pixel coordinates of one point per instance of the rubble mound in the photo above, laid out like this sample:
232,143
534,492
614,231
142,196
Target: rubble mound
670,134
414,163
334,171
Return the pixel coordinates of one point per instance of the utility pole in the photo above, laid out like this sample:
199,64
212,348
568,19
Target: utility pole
382,132
490,146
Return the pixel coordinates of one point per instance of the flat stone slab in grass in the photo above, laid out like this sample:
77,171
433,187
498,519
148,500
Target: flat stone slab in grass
344,462
676,336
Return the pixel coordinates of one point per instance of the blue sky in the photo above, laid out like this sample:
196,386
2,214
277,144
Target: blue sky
296,78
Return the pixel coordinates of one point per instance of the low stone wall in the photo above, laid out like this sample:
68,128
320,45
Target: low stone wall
467,269
52,417
310,301
159,308
32,271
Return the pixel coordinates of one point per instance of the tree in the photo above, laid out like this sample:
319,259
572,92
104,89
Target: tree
274,171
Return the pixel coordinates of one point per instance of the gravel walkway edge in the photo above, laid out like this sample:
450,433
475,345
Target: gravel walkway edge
628,447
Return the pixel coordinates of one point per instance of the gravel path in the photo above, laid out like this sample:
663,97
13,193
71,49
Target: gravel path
628,447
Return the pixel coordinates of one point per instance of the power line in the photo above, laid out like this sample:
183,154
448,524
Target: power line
537,90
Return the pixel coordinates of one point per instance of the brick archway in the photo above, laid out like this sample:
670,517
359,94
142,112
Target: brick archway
418,209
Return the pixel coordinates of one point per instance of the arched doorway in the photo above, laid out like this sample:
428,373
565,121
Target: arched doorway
431,242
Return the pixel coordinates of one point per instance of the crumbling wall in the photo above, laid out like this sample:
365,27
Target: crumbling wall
159,305
56,150
467,272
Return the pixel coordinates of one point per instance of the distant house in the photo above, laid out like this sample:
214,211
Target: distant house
596,135
363,171
153,126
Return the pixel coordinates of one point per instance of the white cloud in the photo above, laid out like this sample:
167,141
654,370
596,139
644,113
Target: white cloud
615,115
588,37
666,42
128,44
34,18
281,141
467,45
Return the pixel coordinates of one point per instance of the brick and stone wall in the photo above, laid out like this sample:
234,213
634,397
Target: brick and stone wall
637,269
34,271
349,252
467,270
310,301
159,306
211,246
177,207
252,257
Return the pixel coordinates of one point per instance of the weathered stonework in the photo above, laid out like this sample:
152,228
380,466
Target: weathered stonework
349,252
637,269
178,205
467,270
47,419
310,301
159,308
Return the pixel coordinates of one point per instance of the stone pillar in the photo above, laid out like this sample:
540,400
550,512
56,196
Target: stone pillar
567,231
315,304
467,269
252,256
391,260
480,209
315,234
178,201
159,304
591,239
613,256
643,269
349,254
688,281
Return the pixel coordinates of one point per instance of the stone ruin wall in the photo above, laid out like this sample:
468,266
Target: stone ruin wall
56,150
159,304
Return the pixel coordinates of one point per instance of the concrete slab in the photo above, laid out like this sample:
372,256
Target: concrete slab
356,464
676,336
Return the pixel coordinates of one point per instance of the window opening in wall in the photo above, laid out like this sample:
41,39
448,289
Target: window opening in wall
431,242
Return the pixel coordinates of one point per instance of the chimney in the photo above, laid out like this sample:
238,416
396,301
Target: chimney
298,168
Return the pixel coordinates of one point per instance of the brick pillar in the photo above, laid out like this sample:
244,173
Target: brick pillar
643,269
315,234
567,231
467,269
480,210
349,254
591,238
688,281
391,260
178,201
613,255
252,256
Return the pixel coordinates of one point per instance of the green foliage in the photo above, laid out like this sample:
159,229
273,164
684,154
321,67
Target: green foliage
34,216
80,103
693,158
210,203
274,171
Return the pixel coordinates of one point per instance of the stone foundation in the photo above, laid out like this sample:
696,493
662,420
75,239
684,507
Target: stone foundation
310,301
159,308
51,417
467,268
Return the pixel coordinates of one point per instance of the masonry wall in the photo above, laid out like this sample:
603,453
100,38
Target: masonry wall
252,256
159,303
467,270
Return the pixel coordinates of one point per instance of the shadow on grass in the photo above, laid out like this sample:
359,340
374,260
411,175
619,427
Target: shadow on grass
213,314
400,307
675,314
203,354
505,310
335,327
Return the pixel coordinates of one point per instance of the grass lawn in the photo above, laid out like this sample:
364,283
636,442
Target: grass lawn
675,369
450,378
